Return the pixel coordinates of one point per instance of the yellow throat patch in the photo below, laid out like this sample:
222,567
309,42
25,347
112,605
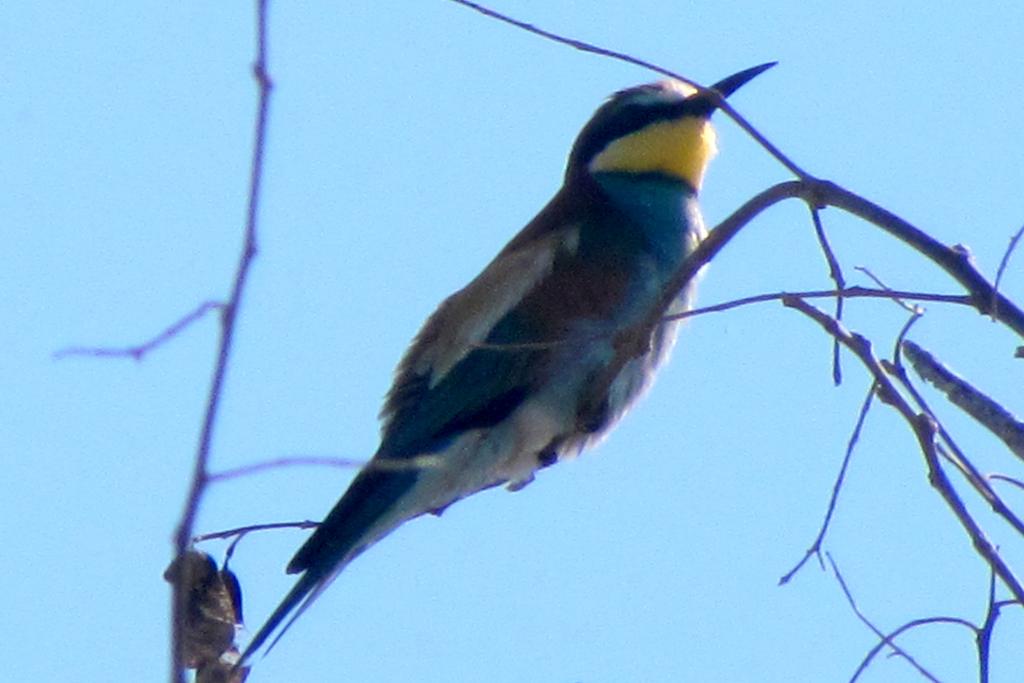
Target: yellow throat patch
680,148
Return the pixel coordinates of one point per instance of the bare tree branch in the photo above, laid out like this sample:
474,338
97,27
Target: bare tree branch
413,463
815,549
1009,480
952,453
897,299
1014,241
836,273
722,104
885,639
249,528
925,429
854,292
972,401
184,533
982,294
139,351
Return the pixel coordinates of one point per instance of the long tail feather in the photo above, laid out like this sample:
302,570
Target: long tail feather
347,530
301,596
370,497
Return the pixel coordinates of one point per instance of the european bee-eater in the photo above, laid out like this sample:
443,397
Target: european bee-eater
532,360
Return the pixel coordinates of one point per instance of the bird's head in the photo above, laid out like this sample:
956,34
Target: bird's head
656,128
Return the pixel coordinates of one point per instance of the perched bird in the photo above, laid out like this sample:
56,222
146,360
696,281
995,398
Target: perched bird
545,349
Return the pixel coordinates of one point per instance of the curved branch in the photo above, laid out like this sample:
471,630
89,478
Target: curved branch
583,46
983,295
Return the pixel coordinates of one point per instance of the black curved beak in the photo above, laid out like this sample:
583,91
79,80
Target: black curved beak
727,86
731,84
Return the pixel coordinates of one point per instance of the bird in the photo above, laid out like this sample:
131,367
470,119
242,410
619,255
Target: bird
545,350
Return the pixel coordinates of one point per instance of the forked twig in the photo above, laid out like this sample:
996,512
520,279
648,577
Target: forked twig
815,549
925,430
139,351
885,639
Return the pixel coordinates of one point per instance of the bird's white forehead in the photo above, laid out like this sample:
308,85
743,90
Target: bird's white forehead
661,92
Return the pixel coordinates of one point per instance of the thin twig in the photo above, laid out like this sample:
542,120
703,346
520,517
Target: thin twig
815,549
836,273
953,261
1009,480
574,43
1002,267
924,428
249,528
982,295
915,314
855,292
139,351
414,463
983,635
583,46
291,461
183,535
885,639
878,281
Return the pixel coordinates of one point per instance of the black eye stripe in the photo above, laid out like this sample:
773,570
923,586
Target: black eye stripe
614,121
633,117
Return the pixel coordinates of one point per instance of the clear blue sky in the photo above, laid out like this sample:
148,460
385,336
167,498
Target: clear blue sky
408,142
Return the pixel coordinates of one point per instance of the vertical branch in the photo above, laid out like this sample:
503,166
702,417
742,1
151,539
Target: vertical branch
200,474
1002,269
836,273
